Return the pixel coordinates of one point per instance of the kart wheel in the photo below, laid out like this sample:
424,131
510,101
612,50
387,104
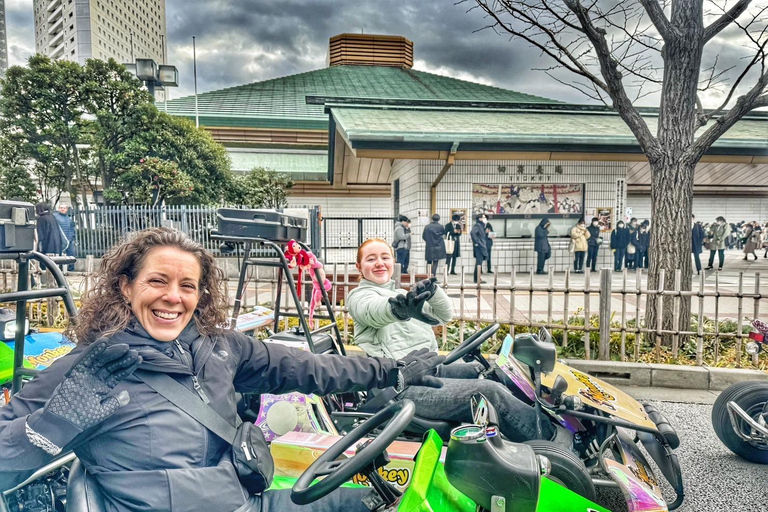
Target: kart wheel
751,397
567,468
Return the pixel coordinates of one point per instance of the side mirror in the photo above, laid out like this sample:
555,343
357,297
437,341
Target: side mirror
558,388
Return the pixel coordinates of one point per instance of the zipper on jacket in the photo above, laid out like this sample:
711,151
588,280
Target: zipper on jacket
195,383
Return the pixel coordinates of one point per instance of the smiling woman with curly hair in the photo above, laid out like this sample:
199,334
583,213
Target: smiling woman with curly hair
157,307
106,310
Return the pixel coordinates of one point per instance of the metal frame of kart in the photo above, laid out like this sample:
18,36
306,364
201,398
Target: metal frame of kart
279,261
21,297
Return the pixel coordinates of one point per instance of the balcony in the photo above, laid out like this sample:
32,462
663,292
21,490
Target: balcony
53,5
57,27
58,38
57,52
55,15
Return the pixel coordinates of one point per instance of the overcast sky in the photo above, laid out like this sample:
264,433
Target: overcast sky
243,41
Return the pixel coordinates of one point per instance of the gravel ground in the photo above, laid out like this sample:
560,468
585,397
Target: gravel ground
715,479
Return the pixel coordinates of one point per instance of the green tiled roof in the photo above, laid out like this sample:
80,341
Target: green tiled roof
360,125
281,102
304,165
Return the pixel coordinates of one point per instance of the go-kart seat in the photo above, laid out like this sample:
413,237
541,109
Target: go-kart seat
83,492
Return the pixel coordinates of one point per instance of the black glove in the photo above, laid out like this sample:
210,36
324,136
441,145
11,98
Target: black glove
426,285
410,305
81,401
418,369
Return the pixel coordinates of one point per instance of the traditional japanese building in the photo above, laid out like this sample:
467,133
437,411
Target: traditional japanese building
369,135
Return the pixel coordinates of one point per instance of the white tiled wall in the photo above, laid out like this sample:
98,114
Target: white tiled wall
346,205
602,181
706,208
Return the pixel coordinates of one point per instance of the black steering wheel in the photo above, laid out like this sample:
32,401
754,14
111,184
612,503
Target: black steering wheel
471,344
337,472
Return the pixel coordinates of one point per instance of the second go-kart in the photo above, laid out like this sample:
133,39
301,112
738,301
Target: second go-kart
481,472
609,426
740,413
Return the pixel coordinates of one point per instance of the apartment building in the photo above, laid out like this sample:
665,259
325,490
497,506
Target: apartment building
82,29
3,40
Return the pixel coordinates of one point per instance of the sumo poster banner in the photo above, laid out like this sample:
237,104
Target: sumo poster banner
605,218
463,220
517,199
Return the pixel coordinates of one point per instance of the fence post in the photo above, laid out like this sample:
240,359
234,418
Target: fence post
359,232
604,350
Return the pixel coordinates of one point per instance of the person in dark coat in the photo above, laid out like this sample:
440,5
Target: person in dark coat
490,234
435,248
697,242
479,244
49,237
642,240
453,232
619,242
541,245
593,243
631,256
68,227
156,309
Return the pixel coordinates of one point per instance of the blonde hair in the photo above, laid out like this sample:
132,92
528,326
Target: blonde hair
369,242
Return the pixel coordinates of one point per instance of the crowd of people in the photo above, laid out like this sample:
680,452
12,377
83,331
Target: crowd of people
629,243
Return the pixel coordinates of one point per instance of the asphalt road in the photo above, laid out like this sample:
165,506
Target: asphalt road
715,479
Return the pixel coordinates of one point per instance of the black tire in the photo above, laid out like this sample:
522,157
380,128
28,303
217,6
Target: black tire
750,396
567,468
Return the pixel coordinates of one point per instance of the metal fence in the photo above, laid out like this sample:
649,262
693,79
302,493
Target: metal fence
601,315
99,229
343,235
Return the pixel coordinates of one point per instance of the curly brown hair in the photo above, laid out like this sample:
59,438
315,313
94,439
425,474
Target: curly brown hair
104,309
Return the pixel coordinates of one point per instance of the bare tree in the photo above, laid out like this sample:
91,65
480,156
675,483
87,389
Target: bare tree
622,50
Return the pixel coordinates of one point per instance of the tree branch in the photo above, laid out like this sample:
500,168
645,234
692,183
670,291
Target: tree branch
726,19
658,18
753,99
613,81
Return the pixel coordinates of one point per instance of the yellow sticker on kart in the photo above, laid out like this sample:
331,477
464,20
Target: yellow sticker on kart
600,395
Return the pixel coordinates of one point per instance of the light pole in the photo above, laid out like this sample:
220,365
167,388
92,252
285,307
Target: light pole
155,77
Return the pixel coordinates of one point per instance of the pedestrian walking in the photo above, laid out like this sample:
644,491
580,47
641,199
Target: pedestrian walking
67,224
619,243
698,235
479,245
631,256
753,239
765,239
579,245
453,232
490,235
402,243
435,244
593,243
642,242
716,242
541,245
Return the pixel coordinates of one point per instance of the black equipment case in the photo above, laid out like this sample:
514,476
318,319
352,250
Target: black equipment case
17,226
267,224
323,343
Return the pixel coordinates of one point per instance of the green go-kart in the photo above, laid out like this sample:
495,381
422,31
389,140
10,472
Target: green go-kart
481,471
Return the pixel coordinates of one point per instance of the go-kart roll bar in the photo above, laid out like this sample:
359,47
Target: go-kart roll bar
22,295
282,266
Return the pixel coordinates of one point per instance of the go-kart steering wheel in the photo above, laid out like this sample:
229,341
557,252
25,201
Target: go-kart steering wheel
337,472
471,344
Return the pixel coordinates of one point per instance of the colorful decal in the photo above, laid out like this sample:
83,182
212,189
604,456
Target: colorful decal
41,349
512,369
294,452
593,391
635,477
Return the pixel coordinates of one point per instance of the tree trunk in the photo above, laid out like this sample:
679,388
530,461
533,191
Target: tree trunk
670,249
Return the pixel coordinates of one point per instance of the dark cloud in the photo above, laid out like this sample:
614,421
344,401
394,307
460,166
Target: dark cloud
243,41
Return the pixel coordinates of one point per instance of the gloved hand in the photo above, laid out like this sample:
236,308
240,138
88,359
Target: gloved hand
410,305
81,401
418,369
426,285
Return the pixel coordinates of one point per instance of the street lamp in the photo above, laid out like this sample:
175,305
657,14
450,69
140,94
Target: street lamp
155,77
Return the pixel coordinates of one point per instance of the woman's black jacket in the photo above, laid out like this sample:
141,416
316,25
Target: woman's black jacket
150,455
